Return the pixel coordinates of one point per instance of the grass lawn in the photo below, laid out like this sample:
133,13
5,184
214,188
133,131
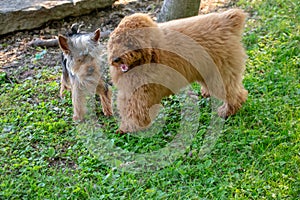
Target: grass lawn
256,155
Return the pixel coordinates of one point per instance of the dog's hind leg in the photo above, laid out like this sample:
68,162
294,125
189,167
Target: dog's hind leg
64,85
236,95
105,97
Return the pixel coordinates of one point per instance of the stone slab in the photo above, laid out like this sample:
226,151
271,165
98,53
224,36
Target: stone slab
16,15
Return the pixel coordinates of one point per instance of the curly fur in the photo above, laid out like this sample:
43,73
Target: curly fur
150,61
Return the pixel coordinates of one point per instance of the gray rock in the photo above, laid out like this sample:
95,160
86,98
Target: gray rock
28,14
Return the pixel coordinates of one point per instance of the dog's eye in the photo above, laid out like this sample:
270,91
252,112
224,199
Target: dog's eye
117,59
79,60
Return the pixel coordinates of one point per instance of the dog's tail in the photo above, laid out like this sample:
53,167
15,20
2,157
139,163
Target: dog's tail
235,19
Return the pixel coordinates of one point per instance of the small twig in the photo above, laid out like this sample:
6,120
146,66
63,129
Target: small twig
44,43
9,79
7,67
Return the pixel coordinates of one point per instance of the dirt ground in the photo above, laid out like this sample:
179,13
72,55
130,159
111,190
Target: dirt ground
21,61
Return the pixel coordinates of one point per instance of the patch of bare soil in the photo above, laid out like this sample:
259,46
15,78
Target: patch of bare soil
22,61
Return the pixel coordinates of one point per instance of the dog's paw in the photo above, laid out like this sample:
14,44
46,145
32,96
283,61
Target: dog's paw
120,132
223,111
62,91
226,110
62,95
204,93
77,118
108,113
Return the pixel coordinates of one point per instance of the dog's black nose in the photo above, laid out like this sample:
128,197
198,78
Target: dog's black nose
118,59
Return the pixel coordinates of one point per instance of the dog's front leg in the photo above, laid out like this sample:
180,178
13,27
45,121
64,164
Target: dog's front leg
123,109
78,101
138,110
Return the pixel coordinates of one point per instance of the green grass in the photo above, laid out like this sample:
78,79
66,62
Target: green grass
44,154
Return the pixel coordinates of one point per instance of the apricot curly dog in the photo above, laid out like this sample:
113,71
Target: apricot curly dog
150,61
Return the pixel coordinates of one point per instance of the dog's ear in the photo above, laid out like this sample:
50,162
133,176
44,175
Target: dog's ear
63,44
96,35
155,56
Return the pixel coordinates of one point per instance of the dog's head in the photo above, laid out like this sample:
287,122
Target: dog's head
81,55
132,43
